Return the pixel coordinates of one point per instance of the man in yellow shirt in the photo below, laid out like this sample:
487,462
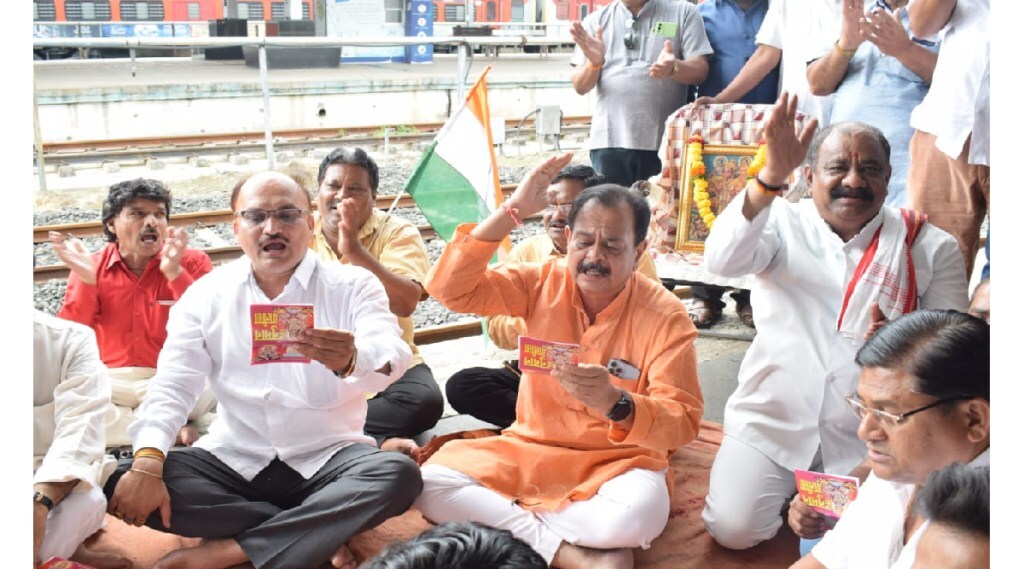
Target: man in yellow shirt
351,230
489,394
582,474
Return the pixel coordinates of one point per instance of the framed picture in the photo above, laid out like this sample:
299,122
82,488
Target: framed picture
725,171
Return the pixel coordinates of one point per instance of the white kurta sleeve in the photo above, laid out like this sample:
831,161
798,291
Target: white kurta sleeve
80,402
738,247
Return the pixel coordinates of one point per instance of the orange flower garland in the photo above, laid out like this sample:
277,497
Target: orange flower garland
759,160
695,150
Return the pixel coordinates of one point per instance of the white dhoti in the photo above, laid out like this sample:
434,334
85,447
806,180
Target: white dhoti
128,386
75,518
629,510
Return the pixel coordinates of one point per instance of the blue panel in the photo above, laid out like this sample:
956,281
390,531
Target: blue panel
419,22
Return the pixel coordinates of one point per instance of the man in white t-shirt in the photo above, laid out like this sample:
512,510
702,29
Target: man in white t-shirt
793,33
948,177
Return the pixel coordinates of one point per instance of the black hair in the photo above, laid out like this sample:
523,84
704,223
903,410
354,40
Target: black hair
846,127
611,195
581,173
957,497
459,545
353,156
947,352
123,192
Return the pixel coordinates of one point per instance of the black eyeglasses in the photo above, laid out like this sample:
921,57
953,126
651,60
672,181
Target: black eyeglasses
888,419
257,217
630,38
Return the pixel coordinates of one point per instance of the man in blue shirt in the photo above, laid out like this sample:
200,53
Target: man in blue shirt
731,26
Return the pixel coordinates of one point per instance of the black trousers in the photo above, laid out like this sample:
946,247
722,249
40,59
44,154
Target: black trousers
713,294
407,407
625,166
280,519
485,393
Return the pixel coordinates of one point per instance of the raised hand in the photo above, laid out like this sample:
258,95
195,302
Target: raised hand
174,248
850,36
348,226
785,150
73,253
591,46
878,320
666,64
531,195
886,32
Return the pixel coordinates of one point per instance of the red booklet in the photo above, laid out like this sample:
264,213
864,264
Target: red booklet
828,494
275,328
541,355
58,563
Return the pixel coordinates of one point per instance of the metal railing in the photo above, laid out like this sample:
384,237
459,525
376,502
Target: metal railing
464,45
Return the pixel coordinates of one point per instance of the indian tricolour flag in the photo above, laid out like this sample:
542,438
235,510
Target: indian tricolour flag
456,179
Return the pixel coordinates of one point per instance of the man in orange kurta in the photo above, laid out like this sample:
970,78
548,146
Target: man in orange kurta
582,473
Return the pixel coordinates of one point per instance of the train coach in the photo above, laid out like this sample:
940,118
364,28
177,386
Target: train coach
504,14
156,10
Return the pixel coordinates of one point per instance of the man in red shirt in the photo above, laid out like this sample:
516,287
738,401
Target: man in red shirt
124,292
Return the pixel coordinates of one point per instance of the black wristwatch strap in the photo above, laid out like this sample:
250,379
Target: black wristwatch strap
622,408
43,499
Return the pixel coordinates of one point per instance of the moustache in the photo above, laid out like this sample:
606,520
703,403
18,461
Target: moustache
277,237
856,193
333,204
584,267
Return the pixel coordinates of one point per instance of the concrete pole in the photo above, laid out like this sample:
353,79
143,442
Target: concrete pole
461,80
39,138
294,10
268,135
231,9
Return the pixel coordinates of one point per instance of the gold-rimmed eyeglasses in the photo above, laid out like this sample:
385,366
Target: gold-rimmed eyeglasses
888,419
257,217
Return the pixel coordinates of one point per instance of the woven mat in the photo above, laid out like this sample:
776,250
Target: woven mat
684,544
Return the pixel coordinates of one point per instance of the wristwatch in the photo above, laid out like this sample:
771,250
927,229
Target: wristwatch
43,499
622,408
343,373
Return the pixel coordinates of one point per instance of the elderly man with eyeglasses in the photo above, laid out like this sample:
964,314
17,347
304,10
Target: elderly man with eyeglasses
490,394
286,475
827,270
642,56
922,404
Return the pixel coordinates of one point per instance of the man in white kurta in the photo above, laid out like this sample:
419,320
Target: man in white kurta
788,410
286,474
70,399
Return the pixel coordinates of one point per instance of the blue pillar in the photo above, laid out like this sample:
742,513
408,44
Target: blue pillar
419,22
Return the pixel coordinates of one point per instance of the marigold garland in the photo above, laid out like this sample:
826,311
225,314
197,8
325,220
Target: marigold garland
695,148
759,160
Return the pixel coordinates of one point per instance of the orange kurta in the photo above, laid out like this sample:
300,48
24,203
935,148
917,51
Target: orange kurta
558,450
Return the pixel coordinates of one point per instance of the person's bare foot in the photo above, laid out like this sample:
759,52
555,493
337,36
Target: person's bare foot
571,556
100,560
188,435
343,558
408,447
211,554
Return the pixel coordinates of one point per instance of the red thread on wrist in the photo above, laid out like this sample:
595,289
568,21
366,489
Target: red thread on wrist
513,213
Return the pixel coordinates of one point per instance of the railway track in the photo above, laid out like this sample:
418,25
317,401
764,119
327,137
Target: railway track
99,150
217,254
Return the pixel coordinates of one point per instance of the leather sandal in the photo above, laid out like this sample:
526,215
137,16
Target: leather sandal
704,314
746,314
